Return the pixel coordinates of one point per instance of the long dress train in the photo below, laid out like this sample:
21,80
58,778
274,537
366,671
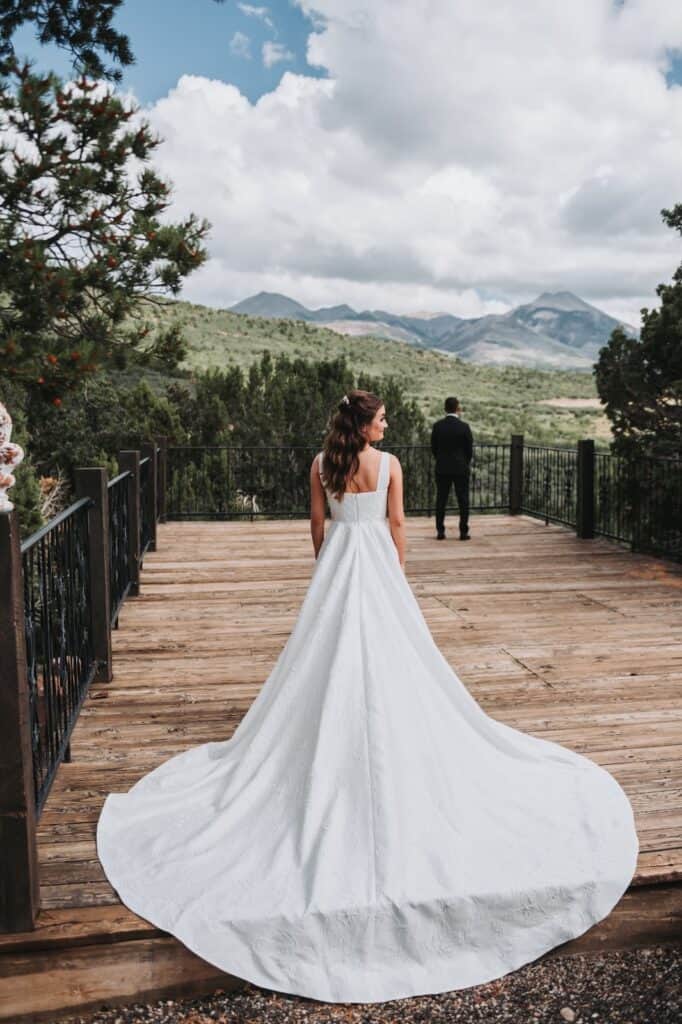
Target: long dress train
369,832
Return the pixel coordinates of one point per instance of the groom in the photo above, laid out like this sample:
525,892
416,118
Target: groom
452,444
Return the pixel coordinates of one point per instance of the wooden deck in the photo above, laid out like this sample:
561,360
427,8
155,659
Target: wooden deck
572,640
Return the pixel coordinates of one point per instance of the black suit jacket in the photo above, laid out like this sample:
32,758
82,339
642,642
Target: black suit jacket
453,445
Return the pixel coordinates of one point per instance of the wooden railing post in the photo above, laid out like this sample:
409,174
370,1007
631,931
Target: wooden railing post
130,460
93,483
148,449
516,474
19,887
162,442
584,520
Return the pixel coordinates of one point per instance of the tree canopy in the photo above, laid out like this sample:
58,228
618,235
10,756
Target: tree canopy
640,381
82,27
82,242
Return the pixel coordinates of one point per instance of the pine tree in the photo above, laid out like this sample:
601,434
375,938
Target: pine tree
640,381
81,240
82,27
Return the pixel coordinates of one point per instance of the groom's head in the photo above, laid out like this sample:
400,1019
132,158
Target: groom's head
451,405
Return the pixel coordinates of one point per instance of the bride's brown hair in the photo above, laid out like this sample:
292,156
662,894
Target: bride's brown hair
344,439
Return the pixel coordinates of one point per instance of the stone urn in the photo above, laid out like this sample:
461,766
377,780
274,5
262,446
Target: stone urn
10,456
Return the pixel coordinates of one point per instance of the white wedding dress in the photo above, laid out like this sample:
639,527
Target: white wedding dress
369,832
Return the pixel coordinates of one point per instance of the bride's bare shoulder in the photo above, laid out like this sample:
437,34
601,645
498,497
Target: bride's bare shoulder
316,464
395,470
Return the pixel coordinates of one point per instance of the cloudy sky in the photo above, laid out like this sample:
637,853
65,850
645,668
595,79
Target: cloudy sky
417,154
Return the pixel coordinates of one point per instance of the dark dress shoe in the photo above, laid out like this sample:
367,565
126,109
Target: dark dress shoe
465,536
440,536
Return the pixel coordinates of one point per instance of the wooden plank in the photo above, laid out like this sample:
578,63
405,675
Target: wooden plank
51,983
645,916
78,926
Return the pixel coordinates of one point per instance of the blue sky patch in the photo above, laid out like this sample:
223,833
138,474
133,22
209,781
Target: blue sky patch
250,45
673,75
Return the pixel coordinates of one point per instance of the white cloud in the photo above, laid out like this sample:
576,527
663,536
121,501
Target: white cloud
459,158
262,13
273,53
240,45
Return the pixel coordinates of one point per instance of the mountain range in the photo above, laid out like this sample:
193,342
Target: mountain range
558,331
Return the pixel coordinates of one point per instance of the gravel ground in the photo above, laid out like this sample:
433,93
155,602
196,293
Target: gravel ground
635,987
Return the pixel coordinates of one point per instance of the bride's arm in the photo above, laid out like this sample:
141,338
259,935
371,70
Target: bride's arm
316,507
396,513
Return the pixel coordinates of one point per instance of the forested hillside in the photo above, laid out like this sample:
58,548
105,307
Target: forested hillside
497,401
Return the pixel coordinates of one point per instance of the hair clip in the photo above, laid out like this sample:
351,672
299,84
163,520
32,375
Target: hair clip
345,400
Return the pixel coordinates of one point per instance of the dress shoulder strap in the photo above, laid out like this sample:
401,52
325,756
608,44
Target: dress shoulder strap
384,470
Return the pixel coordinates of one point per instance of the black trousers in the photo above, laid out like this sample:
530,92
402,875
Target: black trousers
461,482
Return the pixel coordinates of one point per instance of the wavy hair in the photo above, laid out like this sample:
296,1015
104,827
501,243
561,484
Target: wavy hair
344,439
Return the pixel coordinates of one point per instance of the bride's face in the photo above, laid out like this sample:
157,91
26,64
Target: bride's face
374,431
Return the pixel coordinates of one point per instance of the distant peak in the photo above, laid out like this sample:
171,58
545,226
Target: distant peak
268,304
559,295
560,300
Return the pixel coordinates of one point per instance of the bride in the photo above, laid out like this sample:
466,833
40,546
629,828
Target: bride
368,832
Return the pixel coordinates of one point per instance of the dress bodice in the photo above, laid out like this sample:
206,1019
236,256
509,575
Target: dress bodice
361,506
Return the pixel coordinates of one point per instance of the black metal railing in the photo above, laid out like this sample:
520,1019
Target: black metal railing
488,480
549,484
614,497
635,501
146,510
639,501
274,481
61,591
217,482
58,631
119,564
